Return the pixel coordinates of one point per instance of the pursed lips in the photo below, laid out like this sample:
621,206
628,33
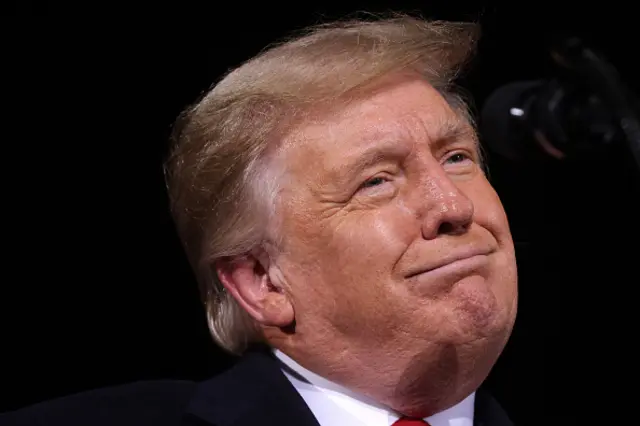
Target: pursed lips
451,257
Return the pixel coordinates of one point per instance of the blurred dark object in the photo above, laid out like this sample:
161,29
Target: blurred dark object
585,109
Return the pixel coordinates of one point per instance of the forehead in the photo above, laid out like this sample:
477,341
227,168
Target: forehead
396,116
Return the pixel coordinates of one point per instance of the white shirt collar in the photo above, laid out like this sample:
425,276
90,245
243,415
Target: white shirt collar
334,405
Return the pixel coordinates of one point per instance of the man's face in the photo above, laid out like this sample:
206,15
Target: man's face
396,248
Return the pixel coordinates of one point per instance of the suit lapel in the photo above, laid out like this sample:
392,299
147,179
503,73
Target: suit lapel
487,411
253,392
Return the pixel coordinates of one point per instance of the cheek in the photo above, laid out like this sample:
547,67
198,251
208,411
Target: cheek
489,213
348,262
370,244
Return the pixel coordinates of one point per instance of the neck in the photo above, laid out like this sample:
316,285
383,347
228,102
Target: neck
418,387
291,367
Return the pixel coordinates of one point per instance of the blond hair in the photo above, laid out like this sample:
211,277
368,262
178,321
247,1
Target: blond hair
219,188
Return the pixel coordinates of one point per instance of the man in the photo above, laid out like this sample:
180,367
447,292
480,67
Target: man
331,198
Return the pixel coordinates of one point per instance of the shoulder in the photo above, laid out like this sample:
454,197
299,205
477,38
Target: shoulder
155,403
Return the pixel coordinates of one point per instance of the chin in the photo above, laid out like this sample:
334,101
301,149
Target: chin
477,311
485,304
480,350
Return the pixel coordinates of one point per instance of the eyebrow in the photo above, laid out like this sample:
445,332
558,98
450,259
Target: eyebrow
449,130
453,129
370,156
374,154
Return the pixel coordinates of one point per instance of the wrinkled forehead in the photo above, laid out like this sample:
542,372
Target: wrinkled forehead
402,113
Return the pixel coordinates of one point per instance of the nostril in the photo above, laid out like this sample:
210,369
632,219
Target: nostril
446,228
451,228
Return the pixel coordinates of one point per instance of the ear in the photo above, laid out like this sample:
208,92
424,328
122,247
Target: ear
247,280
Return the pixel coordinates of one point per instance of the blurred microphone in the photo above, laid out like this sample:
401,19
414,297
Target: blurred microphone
524,119
583,109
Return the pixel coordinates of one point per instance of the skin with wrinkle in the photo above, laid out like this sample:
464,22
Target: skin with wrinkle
371,193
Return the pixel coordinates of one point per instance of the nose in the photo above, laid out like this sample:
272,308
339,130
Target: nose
448,209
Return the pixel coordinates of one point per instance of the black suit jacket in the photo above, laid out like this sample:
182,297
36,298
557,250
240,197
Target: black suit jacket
254,392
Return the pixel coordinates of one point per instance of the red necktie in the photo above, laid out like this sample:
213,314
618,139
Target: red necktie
405,421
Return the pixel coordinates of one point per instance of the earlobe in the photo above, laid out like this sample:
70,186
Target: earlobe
247,280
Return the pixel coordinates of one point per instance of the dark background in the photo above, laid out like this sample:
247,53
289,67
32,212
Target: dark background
96,290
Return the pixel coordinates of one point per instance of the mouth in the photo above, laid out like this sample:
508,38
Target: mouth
457,269
471,270
464,261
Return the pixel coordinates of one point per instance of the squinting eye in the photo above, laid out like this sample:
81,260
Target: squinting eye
373,182
456,158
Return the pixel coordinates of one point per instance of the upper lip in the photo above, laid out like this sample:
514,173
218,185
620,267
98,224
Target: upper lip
452,256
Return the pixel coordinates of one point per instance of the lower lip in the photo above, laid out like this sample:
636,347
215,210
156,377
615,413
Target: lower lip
454,271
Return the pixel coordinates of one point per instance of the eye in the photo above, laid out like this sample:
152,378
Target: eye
458,157
379,187
375,181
